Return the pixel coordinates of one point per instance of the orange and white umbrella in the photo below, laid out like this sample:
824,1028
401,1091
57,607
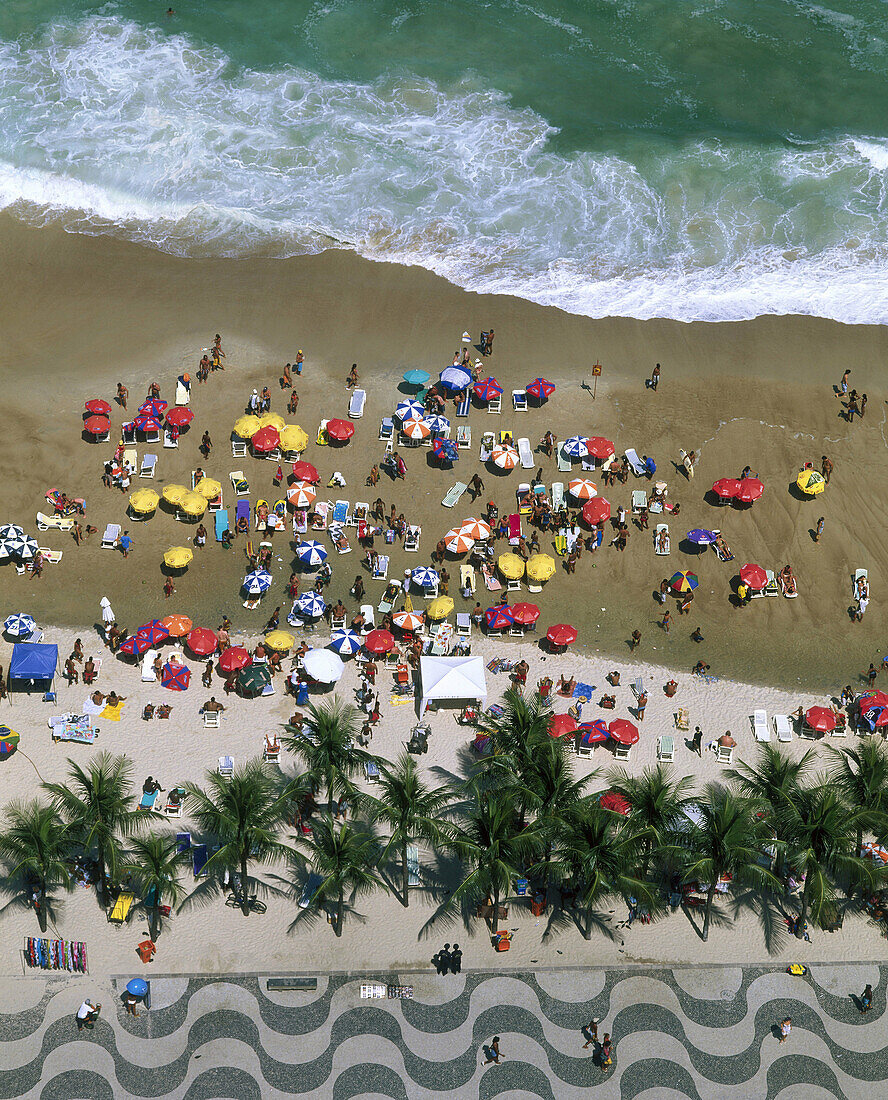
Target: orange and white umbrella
458,542
408,620
582,488
414,428
504,456
302,495
476,529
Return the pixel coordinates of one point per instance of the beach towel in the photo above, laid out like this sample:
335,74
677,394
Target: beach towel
400,700
91,708
586,690
112,714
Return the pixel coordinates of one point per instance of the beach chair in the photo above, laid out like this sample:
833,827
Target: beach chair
563,460
226,765
110,537
386,429
724,754
50,557
772,588
199,857
339,539
312,885
557,495
369,618
121,911
760,729
411,539
635,464
514,529
239,483
783,728
271,751
131,458
44,523
380,568
413,877
463,624
662,544
722,555
495,404
356,404
221,521
681,719
463,437
146,802
841,729
360,514
638,687
340,512
183,394
174,809
525,454
488,442
238,447
371,771
491,582
467,578
170,441
322,440
622,752
321,515
242,511
384,605
519,401
639,501
666,748
149,676
464,403
453,495
212,719
183,843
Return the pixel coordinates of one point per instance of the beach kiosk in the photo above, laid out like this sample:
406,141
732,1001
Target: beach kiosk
459,679
33,667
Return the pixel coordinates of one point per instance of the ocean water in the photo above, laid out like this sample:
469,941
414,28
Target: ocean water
693,159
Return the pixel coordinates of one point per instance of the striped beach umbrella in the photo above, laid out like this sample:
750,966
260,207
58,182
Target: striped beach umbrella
476,529
19,625
541,389
457,541
408,620
575,447
410,409
582,488
302,495
454,379
154,406
683,581
424,577
311,605
146,422
504,456
9,740
257,582
488,389
437,422
498,618
346,642
415,428
445,451
24,549
311,553
154,631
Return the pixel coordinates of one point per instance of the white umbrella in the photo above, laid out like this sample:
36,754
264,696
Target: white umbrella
582,488
438,423
108,615
425,577
25,549
19,626
322,665
458,542
504,456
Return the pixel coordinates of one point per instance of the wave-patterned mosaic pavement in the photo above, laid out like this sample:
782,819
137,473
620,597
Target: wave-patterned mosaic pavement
702,1033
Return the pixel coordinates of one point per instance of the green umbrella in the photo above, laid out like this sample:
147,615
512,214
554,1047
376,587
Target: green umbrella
9,740
253,678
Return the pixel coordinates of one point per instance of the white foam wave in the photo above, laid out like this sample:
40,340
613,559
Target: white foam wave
112,127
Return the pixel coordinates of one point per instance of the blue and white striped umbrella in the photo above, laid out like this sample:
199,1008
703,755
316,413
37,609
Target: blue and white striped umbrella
346,642
258,582
311,553
406,409
575,447
454,379
24,548
11,537
425,576
310,605
19,626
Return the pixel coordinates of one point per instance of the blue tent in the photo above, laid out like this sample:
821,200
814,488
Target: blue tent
33,661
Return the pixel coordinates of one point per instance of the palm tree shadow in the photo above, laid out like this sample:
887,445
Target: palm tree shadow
562,920
718,918
771,915
440,881
19,901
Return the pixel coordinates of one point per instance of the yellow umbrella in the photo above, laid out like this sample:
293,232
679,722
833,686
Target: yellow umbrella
192,504
440,608
293,438
272,420
247,426
279,639
811,482
511,566
177,557
540,567
174,494
143,501
208,488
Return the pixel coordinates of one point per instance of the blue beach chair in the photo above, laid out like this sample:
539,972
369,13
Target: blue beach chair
221,523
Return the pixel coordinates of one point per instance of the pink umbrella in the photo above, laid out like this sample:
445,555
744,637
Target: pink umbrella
753,576
582,488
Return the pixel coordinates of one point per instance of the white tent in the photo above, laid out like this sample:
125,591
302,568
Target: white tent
452,678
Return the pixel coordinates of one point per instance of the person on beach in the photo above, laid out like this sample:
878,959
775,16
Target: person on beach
203,369
87,1015
785,1028
853,407
843,385
655,378
591,1030
862,410
818,530
217,353
697,634
168,588
200,537
488,343
71,673
871,675
286,378
640,705
300,359
476,486
700,669
122,395
607,1054
636,640
89,671
206,445
866,999
697,742
826,468
207,677
352,378
125,543
666,621
494,1051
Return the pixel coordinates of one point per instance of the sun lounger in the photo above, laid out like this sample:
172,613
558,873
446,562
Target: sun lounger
149,676
360,513
859,575
465,401
760,726
174,809
371,771
44,523
635,464
339,538
495,404
50,557
321,515
199,857
622,752
666,748
312,884
724,754
662,544
639,501
239,483
772,588
783,727
356,404
557,495
519,401
467,578
110,537
722,554
386,429
384,605
183,843
226,765
514,529
525,454
221,521
146,802
369,618
453,495
131,458
340,512
120,913
563,460
170,441
380,568
322,440
463,437
681,719
411,539
183,394
463,624
413,876
238,448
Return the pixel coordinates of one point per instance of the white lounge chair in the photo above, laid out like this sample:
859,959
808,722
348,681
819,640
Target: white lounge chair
760,726
662,544
50,557
212,719
239,483
58,523
453,495
149,676
639,501
386,429
666,748
369,619
635,464
783,727
724,754
170,441
525,454
183,394
622,752
238,448
557,495
380,568
463,624
519,401
411,539
110,537
467,578
226,765
495,404
149,465
356,405
564,461
463,437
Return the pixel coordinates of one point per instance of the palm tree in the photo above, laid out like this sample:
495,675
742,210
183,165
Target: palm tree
330,756
35,843
730,838
861,774
344,857
552,791
243,812
516,737
656,802
596,850
155,863
97,804
410,809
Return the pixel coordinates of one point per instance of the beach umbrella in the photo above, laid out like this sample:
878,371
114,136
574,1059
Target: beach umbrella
323,666
97,425
445,450
410,410
145,422
257,582
9,740
193,504
475,529
310,605
266,439
246,426
811,482
622,730
234,659
154,406
143,501
593,733
11,531
174,494
424,577
575,447
137,986
272,420
301,495
540,567
504,456
701,537
726,488
562,724
178,557
202,641
600,448
177,625
597,510
511,566
869,702
135,645
582,488
438,424
175,676
440,608
208,488
488,389
414,428
499,617
340,430
346,642
541,389
19,625
416,377
525,613
154,631
683,581
454,379
881,719
98,407
180,417
561,634
821,718
311,553
304,471
753,576
253,678
457,541
379,641
280,639
615,802
750,489
293,438
24,549
408,620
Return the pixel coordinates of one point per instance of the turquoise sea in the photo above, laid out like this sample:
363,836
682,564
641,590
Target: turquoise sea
695,159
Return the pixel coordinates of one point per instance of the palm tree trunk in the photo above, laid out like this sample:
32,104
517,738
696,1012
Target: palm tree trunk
101,892
495,914
337,924
245,903
405,900
803,914
709,899
41,903
154,923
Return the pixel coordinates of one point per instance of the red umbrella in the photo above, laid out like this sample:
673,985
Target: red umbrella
304,471
499,617
176,677
821,718
98,407
180,416
561,725
379,641
266,439
593,733
753,576
540,388
154,631
611,800
136,645
726,488
600,448
748,490
525,613
882,719
622,730
202,641
234,659
561,634
340,429
597,510
870,702
97,425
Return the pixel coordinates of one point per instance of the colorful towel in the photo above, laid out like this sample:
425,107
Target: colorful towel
586,690
400,700
112,714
